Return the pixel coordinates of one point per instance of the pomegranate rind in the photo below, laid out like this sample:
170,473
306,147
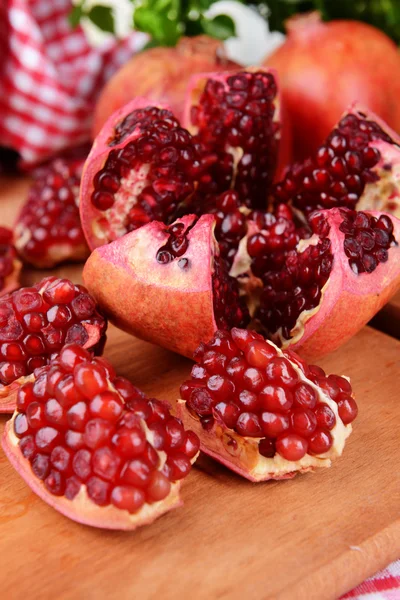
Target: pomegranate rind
81,509
94,221
241,455
155,302
349,301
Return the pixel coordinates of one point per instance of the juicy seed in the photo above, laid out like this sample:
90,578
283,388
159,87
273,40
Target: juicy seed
251,387
80,426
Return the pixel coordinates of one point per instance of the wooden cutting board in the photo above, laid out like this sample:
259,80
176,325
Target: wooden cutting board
313,537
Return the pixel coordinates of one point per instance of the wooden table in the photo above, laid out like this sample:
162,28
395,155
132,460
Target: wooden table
313,537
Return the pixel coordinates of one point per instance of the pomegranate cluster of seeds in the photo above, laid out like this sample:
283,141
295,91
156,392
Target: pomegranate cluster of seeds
48,229
158,156
7,255
231,225
277,234
243,381
176,246
297,286
80,425
339,172
235,115
230,309
36,322
367,239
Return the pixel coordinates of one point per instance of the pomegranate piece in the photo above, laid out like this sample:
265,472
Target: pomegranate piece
118,477
167,285
357,167
36,322
162,75
314,289
48,229
266,414
142,167
234,118
10,266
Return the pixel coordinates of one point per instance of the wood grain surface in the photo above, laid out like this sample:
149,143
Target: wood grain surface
313,537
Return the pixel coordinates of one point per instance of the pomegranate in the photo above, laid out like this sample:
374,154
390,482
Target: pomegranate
36,322
323,67
94,447
167,285
358,166
160,74
10,266
234,118
318,292
264,412
142,166
48,230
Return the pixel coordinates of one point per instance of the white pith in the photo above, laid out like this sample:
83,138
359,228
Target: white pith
245,453
110,224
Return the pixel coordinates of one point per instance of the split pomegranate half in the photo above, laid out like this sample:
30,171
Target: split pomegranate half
48,229
36,322
357,167
93,447
166,284
264,412
142,166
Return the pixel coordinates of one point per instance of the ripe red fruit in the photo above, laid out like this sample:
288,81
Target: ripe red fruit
100,447
323,67
297,415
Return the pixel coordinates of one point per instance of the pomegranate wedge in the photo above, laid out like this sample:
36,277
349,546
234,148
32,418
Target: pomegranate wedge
166,285
357,167
93,447
264,412
142,166
36,322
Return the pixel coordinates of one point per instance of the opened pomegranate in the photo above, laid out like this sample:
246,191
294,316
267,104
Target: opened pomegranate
358,166
234,118
48,229
160,74
36,322
94,447
167,285
10,266
141,168
264,412
316,293
323,67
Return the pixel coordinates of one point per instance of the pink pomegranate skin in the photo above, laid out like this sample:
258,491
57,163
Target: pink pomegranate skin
158,303
161,74
323,67
349,301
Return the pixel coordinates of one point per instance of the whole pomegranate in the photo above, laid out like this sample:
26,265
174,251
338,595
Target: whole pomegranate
323,67
161,74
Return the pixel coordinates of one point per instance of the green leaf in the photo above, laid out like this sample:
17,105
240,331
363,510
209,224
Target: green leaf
102,17
162,29
75,15
221,27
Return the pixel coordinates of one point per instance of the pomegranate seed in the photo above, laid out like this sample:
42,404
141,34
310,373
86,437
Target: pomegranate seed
191,444
136,472
178,465
304,422
90,379
60,458
81,464
97,433
77,416
105,463
98,491
304,395
41,466
273,424
129,443
281,371
228,412
106,405
325,416
275,398
291,446
259,353
266,448
158,488
320,442
248,425
127,498
47,438
21,425
347,408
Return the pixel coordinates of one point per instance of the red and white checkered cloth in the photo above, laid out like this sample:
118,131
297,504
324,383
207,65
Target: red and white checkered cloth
50,77
382,586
